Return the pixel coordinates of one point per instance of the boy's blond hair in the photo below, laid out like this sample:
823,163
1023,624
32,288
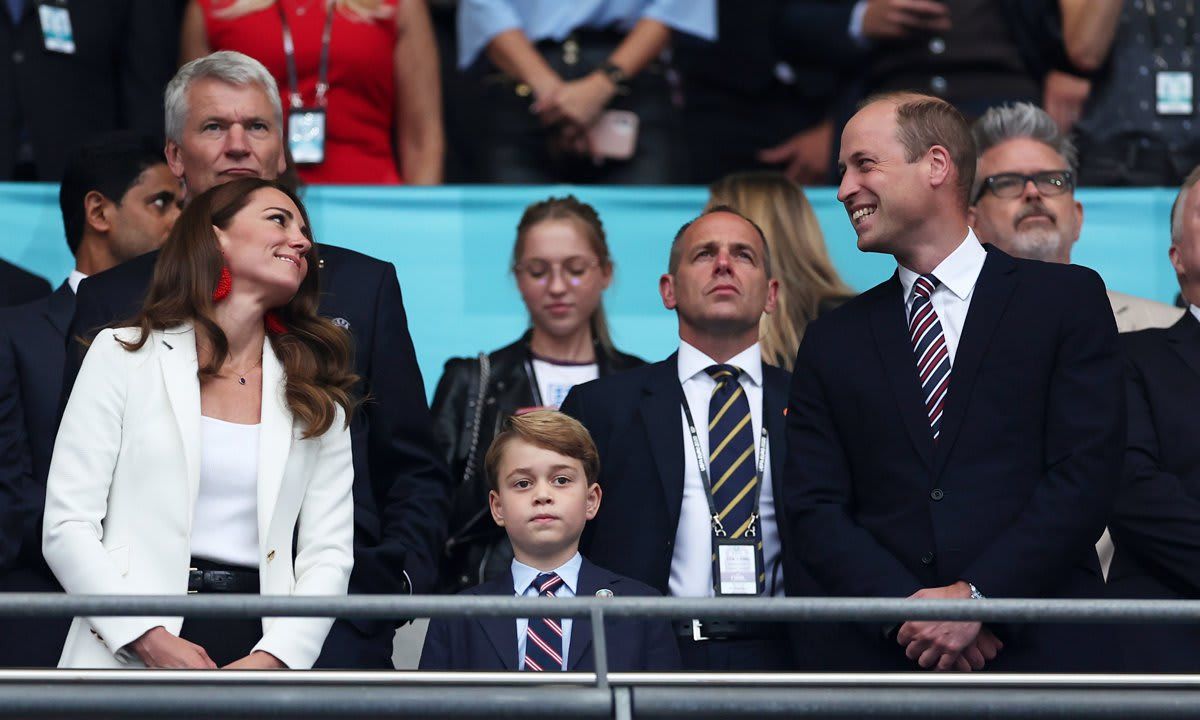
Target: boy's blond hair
550,430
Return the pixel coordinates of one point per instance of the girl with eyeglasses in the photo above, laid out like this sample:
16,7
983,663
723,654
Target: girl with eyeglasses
562,267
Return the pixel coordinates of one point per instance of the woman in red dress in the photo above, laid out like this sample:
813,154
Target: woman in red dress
384,120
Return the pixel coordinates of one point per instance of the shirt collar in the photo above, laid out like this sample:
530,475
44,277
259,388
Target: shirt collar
1195,311
524,575
958,272
692,362
74,279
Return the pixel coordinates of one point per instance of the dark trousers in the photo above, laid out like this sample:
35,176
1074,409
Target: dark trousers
357,646
31,642
518,150
758,654
224,639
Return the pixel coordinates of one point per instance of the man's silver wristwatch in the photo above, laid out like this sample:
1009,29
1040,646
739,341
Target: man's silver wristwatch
975,594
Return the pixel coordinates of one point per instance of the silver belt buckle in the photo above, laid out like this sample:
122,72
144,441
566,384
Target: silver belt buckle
190,571
697,635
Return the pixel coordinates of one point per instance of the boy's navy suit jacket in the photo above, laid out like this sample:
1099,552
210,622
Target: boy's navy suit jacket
490,643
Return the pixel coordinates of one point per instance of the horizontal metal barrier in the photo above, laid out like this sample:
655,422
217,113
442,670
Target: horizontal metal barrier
96,694
761,609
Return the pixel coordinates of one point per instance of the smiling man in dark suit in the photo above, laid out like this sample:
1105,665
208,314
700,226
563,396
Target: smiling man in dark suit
118,200
224,120
673,500
955,431
1155,523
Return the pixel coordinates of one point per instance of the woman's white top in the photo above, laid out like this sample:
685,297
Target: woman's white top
225,518
555,379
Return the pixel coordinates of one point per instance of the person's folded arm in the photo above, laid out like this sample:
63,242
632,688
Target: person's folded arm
420,139
844,558
324,548
77,488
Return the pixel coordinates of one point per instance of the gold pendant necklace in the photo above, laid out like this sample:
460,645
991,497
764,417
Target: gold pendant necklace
242,375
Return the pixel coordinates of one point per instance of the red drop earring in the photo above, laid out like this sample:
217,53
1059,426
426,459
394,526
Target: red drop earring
224,285
274,323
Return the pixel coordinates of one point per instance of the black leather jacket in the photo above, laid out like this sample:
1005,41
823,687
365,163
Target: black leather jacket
476,549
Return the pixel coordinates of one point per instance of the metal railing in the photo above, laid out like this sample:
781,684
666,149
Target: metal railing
364,694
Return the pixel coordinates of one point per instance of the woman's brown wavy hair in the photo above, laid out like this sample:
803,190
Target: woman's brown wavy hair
317,355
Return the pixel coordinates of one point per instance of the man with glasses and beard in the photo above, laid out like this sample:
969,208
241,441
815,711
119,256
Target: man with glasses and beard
1024,201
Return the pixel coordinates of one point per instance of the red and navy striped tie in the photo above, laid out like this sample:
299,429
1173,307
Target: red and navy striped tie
932,354
543,636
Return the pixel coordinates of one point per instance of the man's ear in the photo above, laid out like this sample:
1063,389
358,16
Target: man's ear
772,296
97,212
174,155
666,288
496,508
940,166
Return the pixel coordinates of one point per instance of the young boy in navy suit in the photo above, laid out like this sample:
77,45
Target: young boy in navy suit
542,470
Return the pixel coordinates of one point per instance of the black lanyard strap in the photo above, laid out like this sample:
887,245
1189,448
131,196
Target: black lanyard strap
289,51
701,463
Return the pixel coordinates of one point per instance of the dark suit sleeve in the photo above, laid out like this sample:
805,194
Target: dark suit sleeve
1155,517
662,649
1084,440
16,463
573,405
407,474
435,653
819,33
149,53
817,495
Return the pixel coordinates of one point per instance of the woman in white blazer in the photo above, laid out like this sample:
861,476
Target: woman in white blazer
204,438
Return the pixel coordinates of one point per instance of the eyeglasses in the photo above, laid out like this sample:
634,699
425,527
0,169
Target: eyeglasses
1011,185
573,270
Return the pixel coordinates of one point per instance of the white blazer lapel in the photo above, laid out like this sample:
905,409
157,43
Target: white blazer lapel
179,368
275,438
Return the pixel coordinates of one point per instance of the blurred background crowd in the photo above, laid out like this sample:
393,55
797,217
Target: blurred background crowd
610,91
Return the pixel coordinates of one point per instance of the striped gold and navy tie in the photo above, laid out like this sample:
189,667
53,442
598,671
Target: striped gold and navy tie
731,461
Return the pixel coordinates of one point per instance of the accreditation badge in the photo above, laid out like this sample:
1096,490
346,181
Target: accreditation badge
57,35
1173,92
306,135
739,566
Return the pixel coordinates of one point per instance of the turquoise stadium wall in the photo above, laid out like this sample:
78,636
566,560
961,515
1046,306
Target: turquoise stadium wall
451,246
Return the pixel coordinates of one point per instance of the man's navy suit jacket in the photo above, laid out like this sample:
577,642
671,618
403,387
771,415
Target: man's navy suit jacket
400,483
18,286
32,353
634,418
1155,523
490,643
1015,492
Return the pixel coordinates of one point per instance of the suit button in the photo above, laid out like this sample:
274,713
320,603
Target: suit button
936,494
927,558
18,57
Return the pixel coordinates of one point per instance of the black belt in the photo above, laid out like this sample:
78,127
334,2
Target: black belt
721,630
224,581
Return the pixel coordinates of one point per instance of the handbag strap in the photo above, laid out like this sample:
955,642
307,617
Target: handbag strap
485,373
